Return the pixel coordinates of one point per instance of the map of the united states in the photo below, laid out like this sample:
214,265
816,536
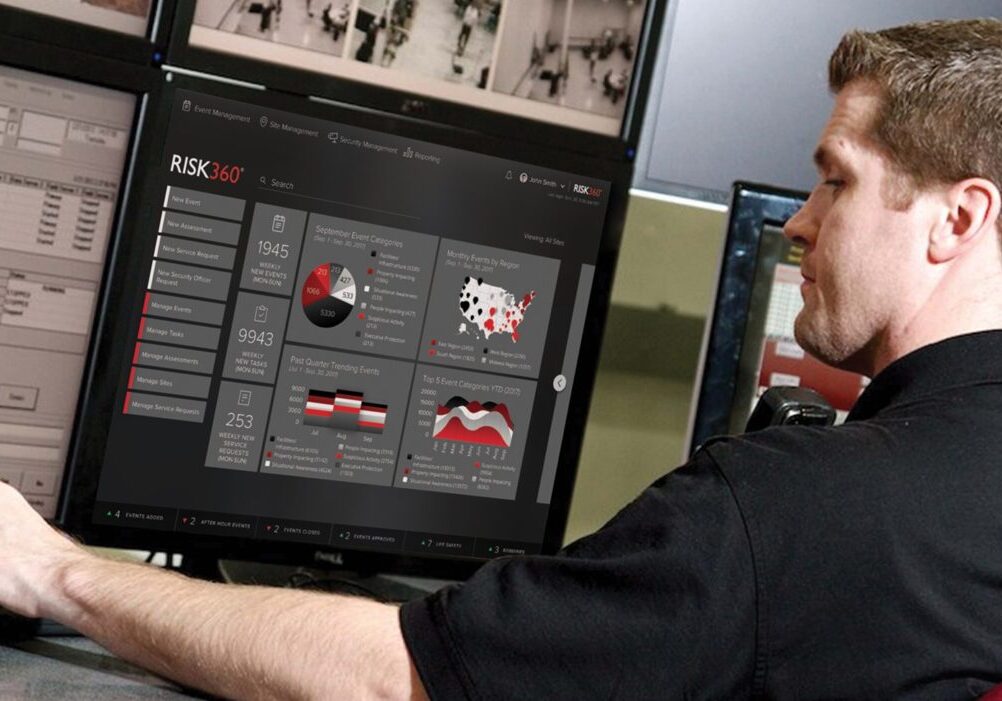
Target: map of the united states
491,309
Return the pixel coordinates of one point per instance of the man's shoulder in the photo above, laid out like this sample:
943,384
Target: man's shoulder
792,445
794,460
927,443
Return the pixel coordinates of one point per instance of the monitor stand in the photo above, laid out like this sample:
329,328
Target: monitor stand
381,587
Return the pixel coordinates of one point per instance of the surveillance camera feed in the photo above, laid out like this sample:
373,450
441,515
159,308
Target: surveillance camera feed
126,16
568,62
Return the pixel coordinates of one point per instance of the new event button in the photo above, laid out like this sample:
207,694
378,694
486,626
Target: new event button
197,202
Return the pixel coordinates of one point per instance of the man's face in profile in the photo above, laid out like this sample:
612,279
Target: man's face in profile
862,248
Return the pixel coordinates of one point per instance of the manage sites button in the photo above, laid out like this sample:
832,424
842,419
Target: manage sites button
438,544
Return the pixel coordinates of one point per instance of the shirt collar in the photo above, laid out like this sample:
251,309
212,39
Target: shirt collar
974,358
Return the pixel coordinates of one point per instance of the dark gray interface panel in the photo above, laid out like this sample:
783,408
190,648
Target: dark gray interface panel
350,337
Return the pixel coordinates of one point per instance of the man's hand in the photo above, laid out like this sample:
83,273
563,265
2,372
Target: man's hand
33,556
238,642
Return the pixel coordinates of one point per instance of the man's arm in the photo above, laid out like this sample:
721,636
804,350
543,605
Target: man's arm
239,642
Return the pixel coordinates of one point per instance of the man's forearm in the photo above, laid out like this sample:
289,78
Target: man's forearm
240,642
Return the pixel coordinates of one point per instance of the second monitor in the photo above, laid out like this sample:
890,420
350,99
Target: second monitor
750,344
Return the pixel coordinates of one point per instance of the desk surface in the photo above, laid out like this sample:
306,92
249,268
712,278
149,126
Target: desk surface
76,668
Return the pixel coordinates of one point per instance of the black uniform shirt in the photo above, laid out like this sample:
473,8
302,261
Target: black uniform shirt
860,561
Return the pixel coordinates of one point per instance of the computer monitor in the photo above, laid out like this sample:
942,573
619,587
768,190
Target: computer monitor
124,16
104,34
63,150
749,344
577,65
343,336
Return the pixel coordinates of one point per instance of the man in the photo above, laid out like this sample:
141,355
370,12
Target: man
614,84
860,561
470,16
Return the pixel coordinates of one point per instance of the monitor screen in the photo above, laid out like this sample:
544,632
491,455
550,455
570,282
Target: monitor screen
566,62
63,147
126,16
750,341
770,355
343,336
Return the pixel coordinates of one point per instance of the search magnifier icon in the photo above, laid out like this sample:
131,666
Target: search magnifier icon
262,180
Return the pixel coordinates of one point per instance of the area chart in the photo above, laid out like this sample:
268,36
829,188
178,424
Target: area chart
473,422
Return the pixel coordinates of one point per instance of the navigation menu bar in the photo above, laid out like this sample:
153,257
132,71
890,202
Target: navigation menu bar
321,534
188,286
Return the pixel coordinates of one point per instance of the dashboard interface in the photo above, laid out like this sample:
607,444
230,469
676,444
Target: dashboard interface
63,147
347,337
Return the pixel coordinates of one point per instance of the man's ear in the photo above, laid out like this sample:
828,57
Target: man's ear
972,212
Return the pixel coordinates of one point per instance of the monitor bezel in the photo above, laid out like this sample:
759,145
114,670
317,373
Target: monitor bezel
501,125
80,491
751,206
17,23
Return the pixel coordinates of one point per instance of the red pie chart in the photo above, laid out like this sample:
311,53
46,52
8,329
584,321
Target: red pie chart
328,295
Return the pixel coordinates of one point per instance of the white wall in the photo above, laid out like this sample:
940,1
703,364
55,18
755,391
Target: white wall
590,17
635,433
556,26
638,422
740,91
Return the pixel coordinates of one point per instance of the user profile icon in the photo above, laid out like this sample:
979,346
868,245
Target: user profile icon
523,178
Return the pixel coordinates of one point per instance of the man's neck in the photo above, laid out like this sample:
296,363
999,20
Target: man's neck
966,298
